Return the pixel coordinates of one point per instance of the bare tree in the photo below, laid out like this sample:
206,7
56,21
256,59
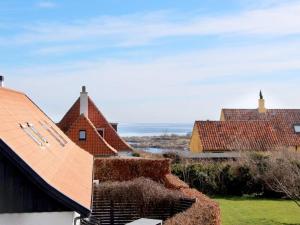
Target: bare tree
283,174
280,170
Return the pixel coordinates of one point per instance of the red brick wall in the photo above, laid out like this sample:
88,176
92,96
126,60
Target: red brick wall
94,144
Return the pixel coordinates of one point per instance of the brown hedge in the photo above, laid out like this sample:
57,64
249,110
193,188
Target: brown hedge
144,192
123,169
203,212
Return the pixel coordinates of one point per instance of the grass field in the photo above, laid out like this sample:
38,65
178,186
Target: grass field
251,211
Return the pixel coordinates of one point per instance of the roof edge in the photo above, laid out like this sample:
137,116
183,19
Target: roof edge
109,124
38,180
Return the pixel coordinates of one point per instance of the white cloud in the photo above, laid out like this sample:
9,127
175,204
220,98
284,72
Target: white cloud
140,29
175,88
46,4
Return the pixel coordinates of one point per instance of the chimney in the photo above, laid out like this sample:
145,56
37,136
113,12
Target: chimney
84,102
1,81
261,104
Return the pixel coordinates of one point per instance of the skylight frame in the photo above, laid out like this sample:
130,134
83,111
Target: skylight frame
34,130
26,129
53,133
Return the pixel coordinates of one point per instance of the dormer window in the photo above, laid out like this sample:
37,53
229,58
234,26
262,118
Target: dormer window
82,135
297,128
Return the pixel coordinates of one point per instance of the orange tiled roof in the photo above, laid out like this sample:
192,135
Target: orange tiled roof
60,164
99,121
282,120
98,145
237,135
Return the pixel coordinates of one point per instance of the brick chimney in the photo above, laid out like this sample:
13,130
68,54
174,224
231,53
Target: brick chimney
261,103
1,81
84,102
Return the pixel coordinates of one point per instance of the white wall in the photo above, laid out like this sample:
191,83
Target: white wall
52,218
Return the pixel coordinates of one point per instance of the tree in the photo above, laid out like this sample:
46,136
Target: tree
282,174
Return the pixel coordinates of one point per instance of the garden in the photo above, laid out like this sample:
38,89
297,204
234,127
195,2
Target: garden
258,188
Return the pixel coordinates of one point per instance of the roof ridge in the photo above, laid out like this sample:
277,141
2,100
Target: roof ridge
12,90
109,124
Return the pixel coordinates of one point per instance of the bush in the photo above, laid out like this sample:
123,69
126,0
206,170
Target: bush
143,192
175,157
220,178
259,173
136,154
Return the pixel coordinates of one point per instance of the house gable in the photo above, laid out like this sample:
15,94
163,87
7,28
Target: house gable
111,136
93,143
99,122
195,142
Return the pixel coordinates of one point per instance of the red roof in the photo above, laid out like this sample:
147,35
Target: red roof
96,119
282,120
98,145
37,144
237,135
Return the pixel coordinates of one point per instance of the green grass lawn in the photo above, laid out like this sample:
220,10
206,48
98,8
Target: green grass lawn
252,211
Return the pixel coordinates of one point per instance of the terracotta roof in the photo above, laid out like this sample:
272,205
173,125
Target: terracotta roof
237,135
283,120
98,120
98,145
253,114
56,162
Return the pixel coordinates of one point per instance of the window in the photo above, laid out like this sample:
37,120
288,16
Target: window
101,131
82,135
297,128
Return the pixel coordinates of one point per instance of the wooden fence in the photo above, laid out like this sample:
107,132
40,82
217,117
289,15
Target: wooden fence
107,212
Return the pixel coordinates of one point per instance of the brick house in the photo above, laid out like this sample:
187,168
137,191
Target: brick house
87,127
258,129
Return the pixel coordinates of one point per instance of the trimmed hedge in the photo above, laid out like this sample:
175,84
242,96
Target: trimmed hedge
123,169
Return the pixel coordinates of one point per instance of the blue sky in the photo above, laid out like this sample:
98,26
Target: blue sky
153,61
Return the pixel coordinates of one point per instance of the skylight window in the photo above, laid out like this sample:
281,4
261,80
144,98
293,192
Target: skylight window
32,134
297,128
54,133
43,139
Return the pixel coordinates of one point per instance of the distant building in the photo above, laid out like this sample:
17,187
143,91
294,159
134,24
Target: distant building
45,178
258,129
87,127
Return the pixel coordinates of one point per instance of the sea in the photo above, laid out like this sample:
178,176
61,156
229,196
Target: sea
154,129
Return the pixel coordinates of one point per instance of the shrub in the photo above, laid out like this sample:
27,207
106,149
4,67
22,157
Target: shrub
220,178
176,158
136,154
122,169
143,192
263,174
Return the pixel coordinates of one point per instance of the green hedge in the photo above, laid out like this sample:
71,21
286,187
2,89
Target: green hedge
220,178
